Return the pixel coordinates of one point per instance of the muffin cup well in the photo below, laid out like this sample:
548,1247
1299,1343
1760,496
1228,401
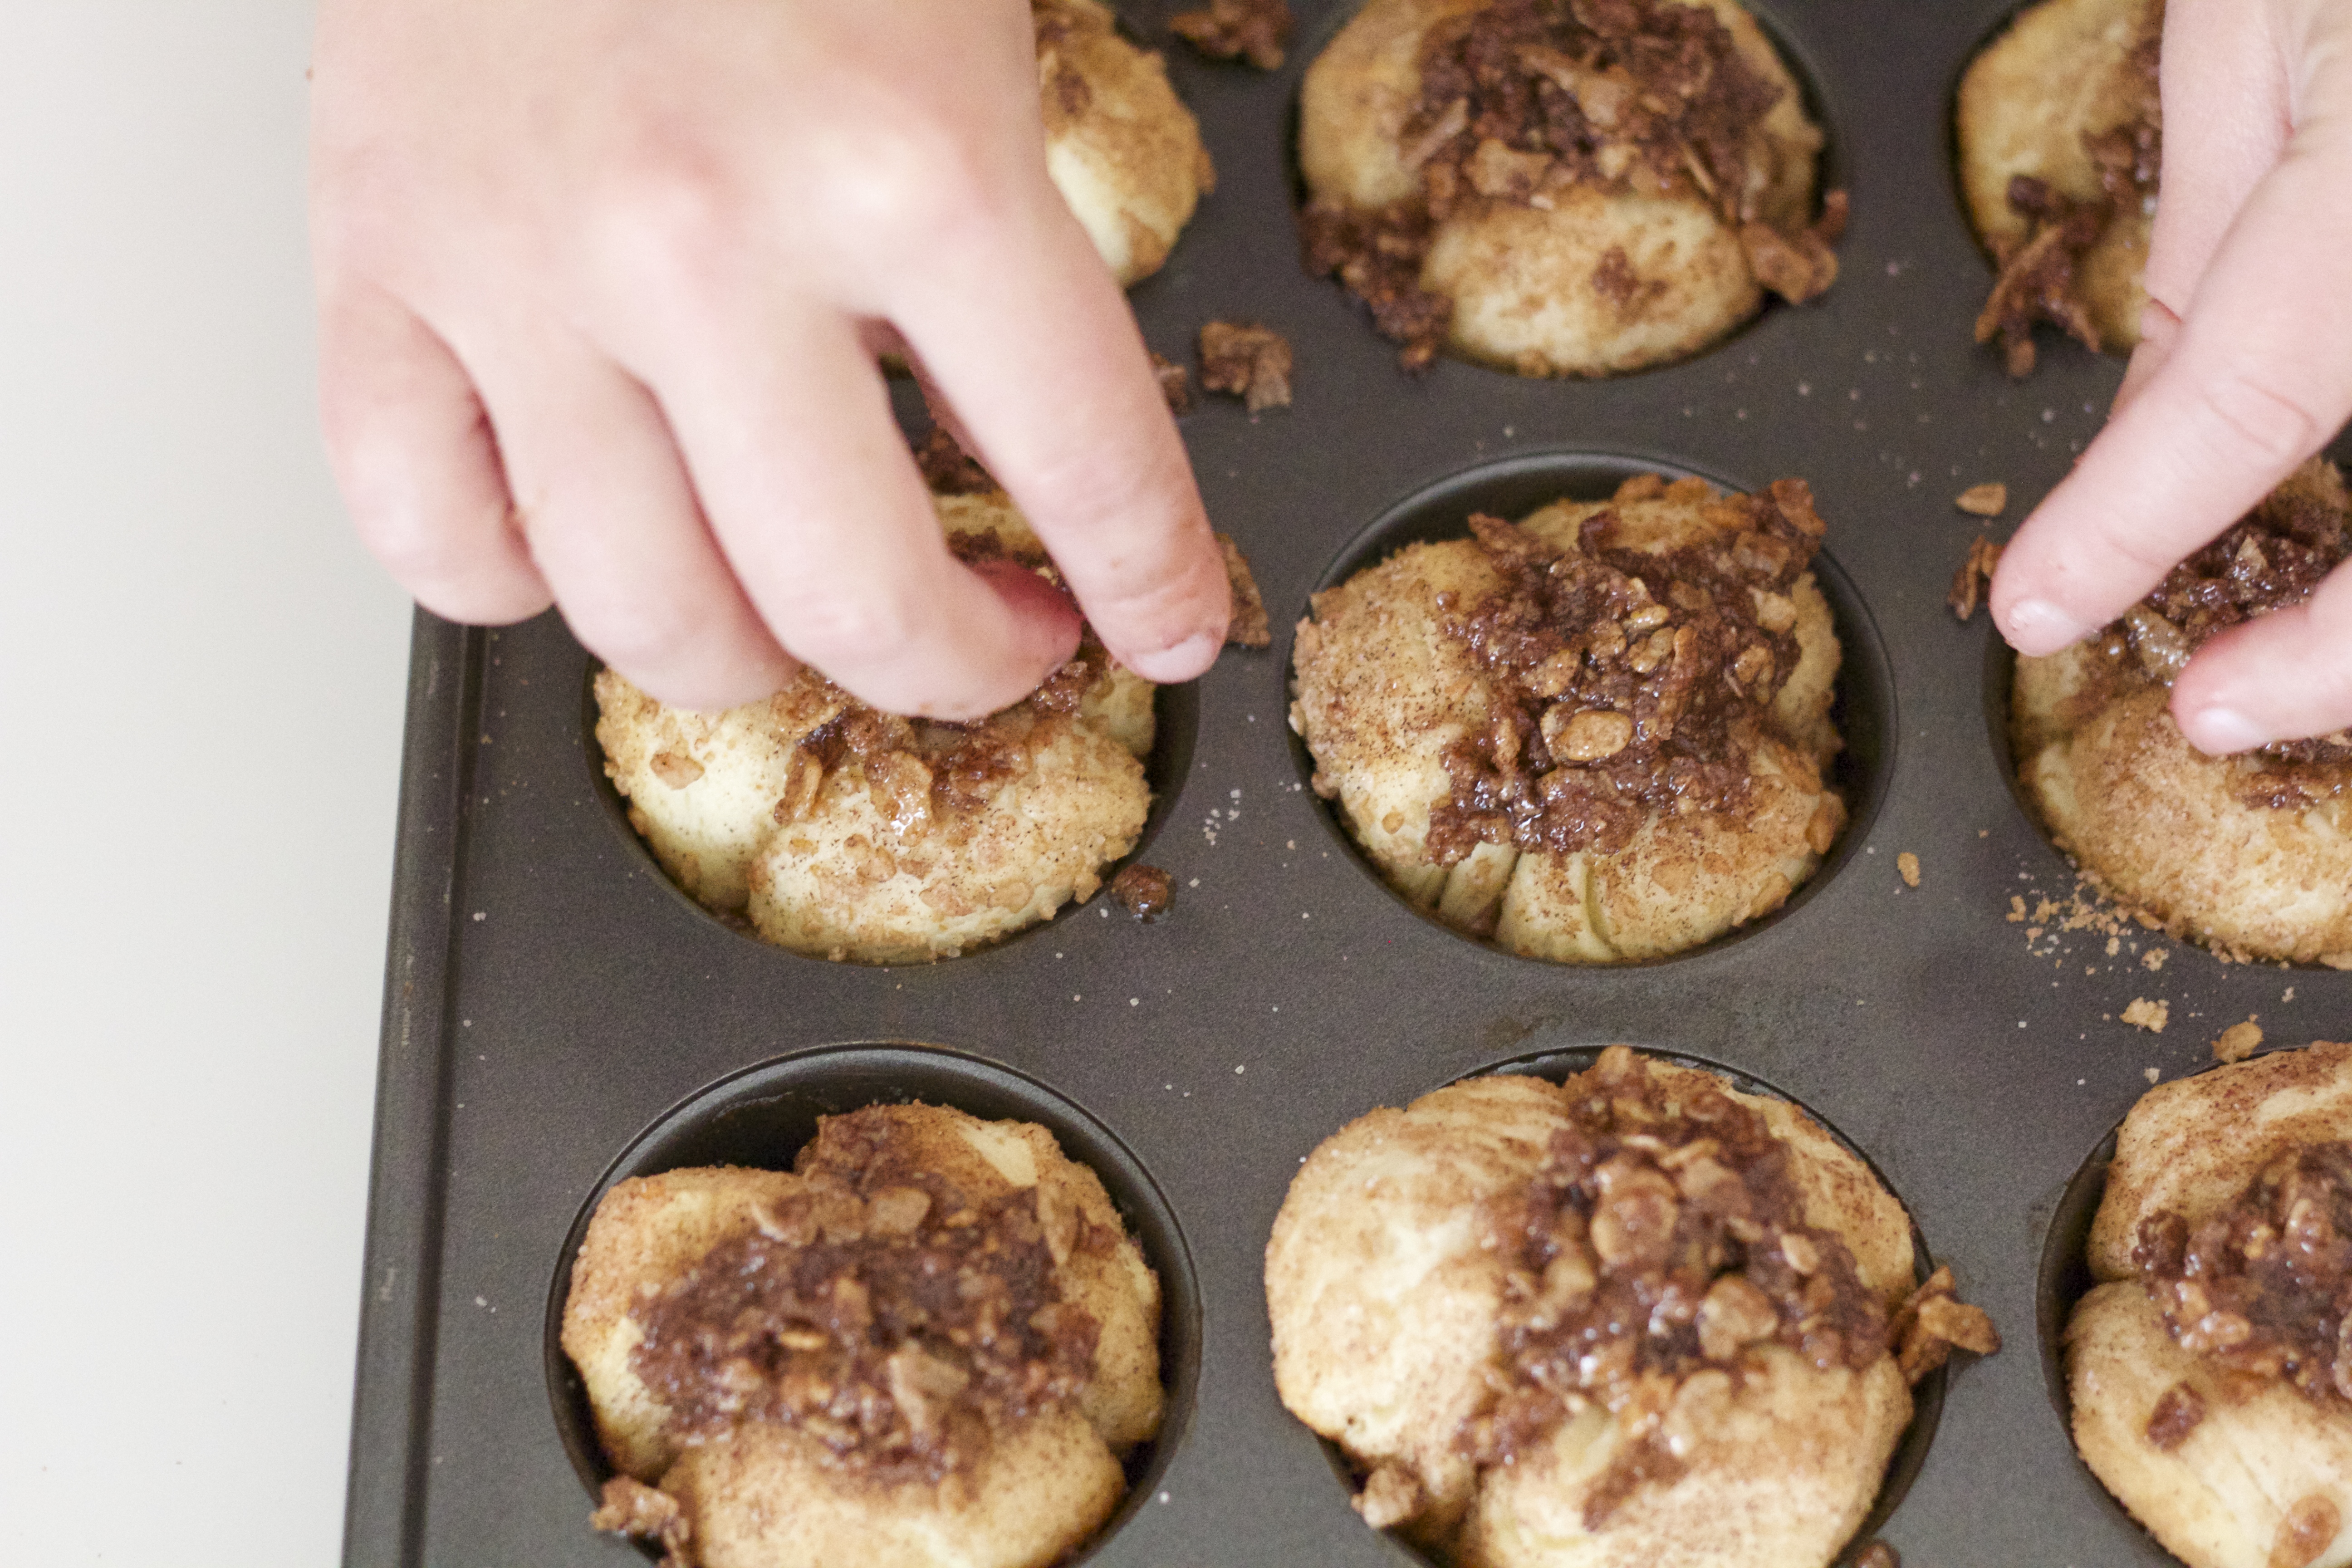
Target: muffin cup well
761,1116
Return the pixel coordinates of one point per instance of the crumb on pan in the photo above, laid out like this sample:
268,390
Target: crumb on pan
1251,361
1974,576
644,1512
1175,384
1988,500
1253,30
2238,1042
1146,892
1250,628
1934,1322
2143,1013
1907,864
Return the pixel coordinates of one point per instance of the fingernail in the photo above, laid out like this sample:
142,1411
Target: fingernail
1182,662
2218,732
2036,626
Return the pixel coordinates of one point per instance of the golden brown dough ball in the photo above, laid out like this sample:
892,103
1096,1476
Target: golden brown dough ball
841,832
1597,736
2064,101
929,1345
2251,853
1622,193
2230,1460
1120,145
1442,1280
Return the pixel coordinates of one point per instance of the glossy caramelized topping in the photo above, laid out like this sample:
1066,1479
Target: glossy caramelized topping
2264,1286
1661,1243
1624,682
880,1310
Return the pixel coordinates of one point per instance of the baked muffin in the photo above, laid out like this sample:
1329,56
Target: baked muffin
1636,1318
1120,146
2250,854
2060,139
1598,735
2211,1370
846,832
1557,189
930,1342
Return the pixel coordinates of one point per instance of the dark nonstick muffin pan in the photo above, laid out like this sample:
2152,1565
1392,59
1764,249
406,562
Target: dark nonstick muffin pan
557,1015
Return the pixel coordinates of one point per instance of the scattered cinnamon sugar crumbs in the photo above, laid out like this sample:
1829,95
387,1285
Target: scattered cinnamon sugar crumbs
1908,863
1250,627
1251,361
2238,1042
2153,959
1969,582
2016,909
2143,1013
1989,500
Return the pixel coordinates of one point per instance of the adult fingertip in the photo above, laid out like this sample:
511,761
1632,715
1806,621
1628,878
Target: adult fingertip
2036,626
1182,661
716,693
2219,729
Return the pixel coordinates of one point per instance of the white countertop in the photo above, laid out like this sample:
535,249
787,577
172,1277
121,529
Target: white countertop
199,810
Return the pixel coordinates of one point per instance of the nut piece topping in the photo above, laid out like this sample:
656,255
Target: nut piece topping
1626,681
1646,1261
878,1308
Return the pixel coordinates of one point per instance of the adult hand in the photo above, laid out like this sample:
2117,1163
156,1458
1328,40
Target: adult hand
2244,370
602,286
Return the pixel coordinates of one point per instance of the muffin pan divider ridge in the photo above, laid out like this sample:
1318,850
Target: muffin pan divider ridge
549,997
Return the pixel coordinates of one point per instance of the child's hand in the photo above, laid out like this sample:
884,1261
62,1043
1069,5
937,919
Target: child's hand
2245,370
602,284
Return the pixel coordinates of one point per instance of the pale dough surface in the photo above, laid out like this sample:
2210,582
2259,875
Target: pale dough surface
2162,825
1122,149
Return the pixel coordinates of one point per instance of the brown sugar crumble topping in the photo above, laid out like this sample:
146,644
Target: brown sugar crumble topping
1521,99
1251,361
948,468
632,1508
2037,280
1933,1323
934,772
2273,558
1175,384
1254,30
1146,892
880,1310
1975,575
1663,1241
2264,1286
1626,682
1249,628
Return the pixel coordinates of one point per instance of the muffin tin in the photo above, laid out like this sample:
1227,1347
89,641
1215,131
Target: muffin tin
557,1015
